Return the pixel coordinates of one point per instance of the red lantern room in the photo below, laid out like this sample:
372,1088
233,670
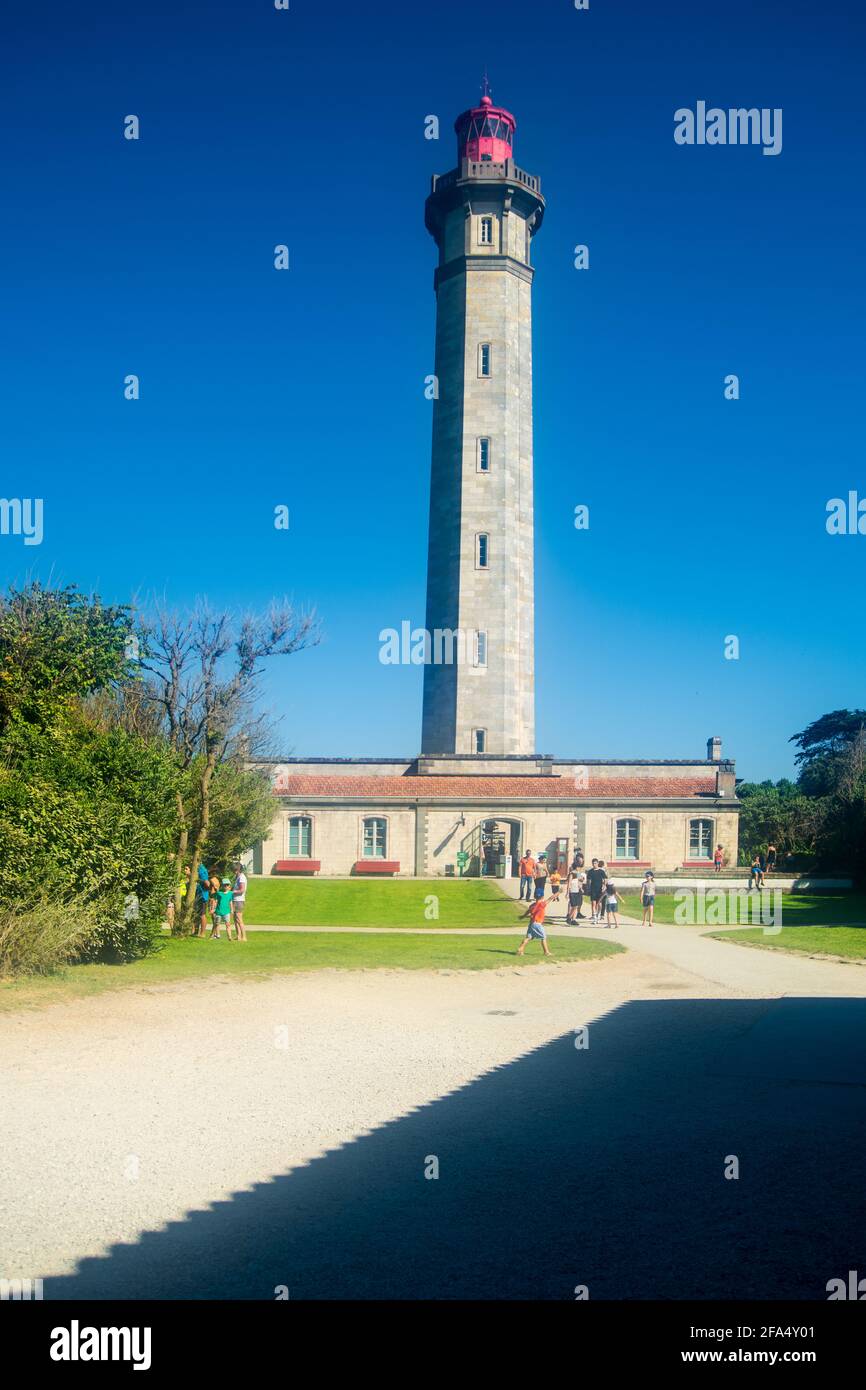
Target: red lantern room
486,132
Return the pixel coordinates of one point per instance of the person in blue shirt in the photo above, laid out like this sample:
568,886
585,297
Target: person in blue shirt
202,898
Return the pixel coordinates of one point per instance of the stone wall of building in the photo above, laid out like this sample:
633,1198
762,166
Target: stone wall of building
424,840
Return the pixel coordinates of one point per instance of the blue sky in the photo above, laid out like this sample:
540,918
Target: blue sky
306,388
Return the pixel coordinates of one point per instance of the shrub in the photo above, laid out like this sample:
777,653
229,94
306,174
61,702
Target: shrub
38,937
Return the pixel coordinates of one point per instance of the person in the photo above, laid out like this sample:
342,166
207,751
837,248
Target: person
535,931
756,878
555,885
718,859
603,867
611,902
527,875
182,889
771,859
239,902
202,898
578,858
648,897
214,886
222,909
595,883
542,873
574,887
762,860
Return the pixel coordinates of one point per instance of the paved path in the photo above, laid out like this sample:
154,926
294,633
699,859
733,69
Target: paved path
221,1139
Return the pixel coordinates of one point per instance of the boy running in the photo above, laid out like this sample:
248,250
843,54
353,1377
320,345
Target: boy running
535,930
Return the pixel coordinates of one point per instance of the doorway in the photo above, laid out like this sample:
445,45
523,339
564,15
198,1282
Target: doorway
492,849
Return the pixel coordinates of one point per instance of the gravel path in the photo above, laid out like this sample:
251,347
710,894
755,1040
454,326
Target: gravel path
281,1129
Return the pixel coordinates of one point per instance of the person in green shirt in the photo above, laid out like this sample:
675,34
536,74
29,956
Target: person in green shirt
223,909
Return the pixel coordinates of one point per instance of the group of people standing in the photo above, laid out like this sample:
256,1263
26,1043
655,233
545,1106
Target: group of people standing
594,883
222,901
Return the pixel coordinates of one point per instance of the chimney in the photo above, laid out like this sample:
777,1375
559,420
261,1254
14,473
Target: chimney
714,750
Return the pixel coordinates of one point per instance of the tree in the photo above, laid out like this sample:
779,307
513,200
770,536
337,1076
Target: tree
779,814
57,645
201,674
87,814
823,747
841,839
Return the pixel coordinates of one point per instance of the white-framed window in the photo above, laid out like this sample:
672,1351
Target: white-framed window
485,359
481,649
482,551
700,839
484,454
627,839
479,740
300,837
485,231
375,837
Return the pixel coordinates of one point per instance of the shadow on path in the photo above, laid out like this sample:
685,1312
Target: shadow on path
602,1167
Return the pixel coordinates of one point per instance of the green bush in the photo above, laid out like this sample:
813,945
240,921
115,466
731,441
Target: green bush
38,937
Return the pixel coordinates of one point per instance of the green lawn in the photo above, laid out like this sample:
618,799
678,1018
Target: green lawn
833,941
798,909
359,902
186,958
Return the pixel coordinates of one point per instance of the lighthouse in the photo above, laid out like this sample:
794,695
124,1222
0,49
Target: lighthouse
482,215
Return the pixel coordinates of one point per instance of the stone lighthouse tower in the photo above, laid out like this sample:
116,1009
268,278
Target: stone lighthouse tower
482,215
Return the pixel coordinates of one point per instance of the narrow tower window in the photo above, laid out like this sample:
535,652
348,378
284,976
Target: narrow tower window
485,357
481,649
482,548
480,740
486,233
484,455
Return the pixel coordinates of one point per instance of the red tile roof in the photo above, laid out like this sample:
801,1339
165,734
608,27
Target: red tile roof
489,788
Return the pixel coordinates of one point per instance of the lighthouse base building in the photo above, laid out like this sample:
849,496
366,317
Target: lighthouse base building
478,795
471,816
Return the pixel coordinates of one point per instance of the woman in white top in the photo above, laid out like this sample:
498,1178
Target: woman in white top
239,902
648,897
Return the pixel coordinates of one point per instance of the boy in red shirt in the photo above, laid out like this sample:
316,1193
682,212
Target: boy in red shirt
535,930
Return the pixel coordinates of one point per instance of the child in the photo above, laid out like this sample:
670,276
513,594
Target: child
648,897
535,930
611,902
222,916
718,858
541,875
555,882
574,888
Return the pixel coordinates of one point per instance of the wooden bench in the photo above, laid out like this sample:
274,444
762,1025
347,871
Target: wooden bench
376,866
297,866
